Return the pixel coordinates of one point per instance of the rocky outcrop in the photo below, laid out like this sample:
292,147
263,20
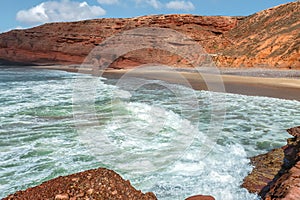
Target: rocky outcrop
266,167
276,175
287,187
266,39
92,184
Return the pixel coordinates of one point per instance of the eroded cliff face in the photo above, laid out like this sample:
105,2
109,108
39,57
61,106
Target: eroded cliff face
70,43
266,39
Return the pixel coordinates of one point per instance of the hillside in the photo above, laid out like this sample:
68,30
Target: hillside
270,38
267,38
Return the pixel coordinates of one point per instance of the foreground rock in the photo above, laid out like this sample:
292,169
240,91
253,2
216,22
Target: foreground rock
266,167
200,197
100,184
266,39
277,174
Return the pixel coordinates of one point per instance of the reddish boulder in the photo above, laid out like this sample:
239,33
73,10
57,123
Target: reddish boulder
200,197
92,184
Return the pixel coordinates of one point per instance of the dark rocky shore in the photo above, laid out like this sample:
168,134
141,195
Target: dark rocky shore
276,175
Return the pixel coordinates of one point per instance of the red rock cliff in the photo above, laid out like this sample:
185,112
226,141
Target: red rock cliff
268,38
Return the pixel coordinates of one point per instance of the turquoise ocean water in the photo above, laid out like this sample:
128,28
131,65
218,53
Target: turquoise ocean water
41,139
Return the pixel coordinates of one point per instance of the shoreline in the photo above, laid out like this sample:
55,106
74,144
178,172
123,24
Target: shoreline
236,83
196,80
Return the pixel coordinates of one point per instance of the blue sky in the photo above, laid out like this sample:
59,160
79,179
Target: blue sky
28,13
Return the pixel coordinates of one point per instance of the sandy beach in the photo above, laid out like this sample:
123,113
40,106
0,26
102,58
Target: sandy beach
269,83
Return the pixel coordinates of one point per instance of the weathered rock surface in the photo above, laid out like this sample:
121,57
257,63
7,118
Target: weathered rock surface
266,168
294,132
100,184
266,39
70,43
277,174
287,187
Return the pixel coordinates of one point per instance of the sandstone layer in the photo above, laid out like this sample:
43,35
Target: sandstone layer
266,39
276,175
70,43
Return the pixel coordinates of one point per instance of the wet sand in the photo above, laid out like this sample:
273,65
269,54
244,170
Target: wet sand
283,88
277,87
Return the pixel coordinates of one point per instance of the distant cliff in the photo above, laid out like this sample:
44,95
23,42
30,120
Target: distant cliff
266,39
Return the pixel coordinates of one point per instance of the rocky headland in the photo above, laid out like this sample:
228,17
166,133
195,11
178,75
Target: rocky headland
268,39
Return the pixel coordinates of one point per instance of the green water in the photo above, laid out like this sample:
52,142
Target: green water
144,130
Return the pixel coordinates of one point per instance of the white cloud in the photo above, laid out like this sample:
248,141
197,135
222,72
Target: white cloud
173,5
55,11
180,5
153,3
19,27
109,2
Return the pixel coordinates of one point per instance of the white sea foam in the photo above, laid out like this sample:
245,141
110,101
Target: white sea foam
149,127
